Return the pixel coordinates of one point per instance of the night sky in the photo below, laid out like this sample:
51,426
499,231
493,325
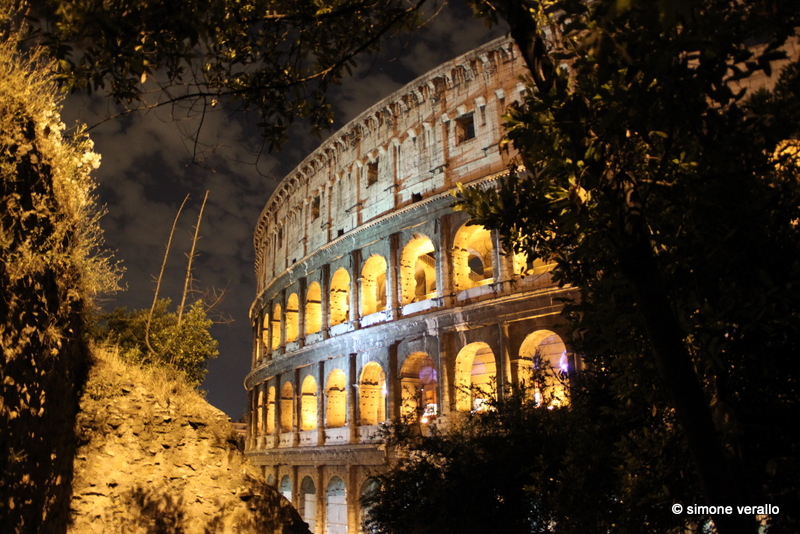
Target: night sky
147,169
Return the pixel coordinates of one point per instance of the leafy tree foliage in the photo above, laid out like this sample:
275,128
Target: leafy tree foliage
275,56
186,347
519,467
668,195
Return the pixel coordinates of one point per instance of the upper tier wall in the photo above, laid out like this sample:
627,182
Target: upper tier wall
440,129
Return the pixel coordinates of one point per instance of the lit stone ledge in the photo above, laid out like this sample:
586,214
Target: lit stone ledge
422,305
375,318
286,440
475,292
336,436
369,433
343,328
293,346
269,442
316,337
309,438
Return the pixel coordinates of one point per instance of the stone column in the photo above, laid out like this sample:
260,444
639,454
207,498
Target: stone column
393,382
325,299
301,311
355,290
352,398
393,276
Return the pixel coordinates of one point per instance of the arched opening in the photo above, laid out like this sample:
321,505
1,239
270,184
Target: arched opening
340,297
544,364
313,309
476,377
418,270
265,332
368,488
286,487
419,386
308,404
336,393
373,285
308,503
276,327
271,410
472,257
336,507
260,412
287,404
372,394
292,318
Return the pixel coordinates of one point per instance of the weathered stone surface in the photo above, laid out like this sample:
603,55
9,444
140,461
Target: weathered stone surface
143,467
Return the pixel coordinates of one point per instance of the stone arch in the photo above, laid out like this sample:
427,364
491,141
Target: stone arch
476,377
336,392
292,318
369,487
308,502
285,487
271,410
265,331
336,507
287,407
260,412
340,297
472,257
373,285
276,327
544,361
372,394
308,404
419,387
418,270
313,308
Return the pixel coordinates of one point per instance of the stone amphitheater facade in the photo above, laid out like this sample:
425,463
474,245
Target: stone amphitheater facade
375,299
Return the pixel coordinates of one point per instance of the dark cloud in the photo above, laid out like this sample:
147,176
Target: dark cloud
150,163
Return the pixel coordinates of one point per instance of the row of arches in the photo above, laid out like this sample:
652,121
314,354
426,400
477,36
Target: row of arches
282,406
473,264
334,497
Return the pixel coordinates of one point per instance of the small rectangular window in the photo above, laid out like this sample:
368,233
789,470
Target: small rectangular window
465,128
315,208
372,173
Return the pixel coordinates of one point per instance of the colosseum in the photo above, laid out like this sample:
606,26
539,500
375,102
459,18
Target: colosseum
376,300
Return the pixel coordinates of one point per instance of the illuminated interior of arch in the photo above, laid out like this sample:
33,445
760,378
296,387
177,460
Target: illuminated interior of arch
292,318
286,487
418,383
276,327
336,392
340,297
260,412
271,410
545,364
372,394
308,404
308,502
287,407
476,377
418,270
373,285
265,332
472,257
336,507
313,318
